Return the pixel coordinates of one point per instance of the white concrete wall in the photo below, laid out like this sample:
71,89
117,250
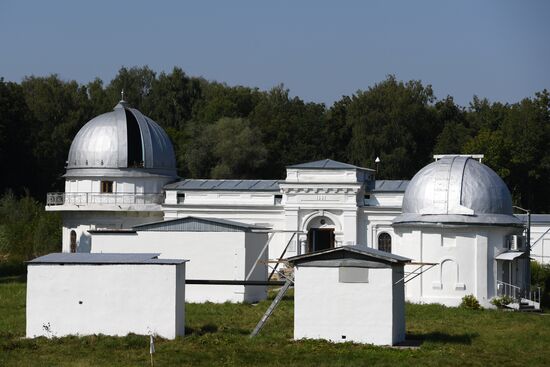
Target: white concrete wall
211,255
105,299
465,258
324,308
541,249
82,222
152,184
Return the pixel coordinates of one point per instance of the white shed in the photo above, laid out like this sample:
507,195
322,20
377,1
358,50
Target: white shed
217,249
349,294
111,294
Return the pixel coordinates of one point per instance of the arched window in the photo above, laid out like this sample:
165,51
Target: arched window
384,242
73,241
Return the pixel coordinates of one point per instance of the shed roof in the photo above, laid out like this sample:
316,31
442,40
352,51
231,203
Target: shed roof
196,224
225,185
104,259
327,164
535,218
357,252
390,185
510,255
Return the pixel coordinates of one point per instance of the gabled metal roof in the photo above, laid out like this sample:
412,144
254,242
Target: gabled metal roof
327,164
196,224
104,259
357,252
390,185
225,185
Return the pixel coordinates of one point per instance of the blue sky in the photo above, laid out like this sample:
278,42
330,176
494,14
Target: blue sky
320,50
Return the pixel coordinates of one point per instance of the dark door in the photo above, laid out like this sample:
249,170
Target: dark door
320,239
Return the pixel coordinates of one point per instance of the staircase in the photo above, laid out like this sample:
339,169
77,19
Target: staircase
523,301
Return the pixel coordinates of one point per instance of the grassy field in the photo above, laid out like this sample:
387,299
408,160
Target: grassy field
217,335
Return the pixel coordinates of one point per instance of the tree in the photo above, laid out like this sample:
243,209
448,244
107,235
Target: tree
395,121
230,148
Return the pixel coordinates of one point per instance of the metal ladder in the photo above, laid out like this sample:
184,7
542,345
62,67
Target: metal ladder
272,307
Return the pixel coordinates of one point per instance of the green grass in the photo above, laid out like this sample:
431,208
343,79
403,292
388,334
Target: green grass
217,335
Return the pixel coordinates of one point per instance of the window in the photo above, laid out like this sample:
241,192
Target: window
181,197
73,241
384,242
106,186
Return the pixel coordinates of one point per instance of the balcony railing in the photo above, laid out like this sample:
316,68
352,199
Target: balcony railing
84,198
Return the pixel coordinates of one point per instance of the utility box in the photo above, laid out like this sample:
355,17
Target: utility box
349,294
111,294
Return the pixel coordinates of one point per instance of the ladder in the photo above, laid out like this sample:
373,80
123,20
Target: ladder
272,307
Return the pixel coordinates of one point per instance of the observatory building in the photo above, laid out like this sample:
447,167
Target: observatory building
455,214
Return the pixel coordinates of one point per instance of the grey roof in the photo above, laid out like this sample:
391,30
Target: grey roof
104,259
225,185
196,224
457,190
357,252
535,218
327,164
390,185
103,144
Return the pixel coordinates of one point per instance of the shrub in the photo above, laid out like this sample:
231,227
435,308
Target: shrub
540,277
470,302
500,302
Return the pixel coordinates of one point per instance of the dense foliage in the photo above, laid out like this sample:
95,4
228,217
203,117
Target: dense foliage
26,230
240,132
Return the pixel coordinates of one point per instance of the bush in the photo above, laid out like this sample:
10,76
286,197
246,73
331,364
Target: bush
500,302
540,277
26,229
470,302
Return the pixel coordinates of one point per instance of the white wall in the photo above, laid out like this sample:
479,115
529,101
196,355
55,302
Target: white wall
212,255
465,257
105,299
541,249
82,222
324,308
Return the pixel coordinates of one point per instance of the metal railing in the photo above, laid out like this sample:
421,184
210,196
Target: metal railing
515,292
84,198
508,290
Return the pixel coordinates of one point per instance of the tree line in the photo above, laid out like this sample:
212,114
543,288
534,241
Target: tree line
222,131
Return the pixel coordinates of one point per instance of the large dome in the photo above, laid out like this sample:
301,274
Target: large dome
123,139
457,190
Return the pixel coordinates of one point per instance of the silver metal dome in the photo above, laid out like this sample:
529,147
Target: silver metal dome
121,139
457,190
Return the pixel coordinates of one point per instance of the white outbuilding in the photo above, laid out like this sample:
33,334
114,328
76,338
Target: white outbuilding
111,294
350,294
217,249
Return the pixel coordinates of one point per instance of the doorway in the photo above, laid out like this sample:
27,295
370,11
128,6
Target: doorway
320,239
73,241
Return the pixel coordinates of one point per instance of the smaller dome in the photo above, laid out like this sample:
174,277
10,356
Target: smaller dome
457,190
121,139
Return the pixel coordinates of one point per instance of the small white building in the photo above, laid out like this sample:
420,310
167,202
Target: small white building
111,294
349,294
217,250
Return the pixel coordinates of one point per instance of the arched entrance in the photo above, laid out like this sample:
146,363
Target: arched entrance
320,234
73,241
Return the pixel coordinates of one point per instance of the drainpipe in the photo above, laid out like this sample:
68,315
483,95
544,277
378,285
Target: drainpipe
527,251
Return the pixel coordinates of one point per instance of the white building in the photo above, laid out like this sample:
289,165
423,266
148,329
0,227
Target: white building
111,294
219,249
112,183
349,294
